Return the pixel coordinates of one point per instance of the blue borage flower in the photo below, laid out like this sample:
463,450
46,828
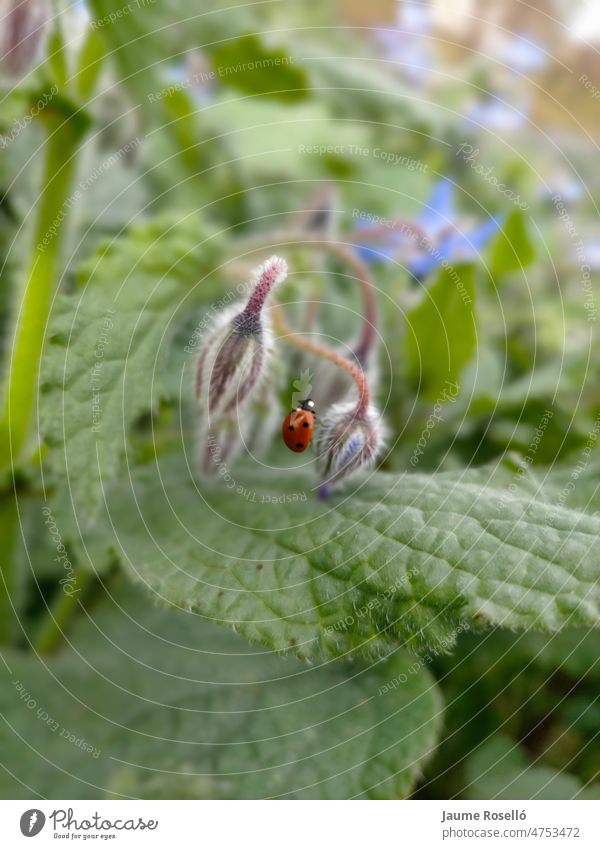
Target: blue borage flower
453,248
441,243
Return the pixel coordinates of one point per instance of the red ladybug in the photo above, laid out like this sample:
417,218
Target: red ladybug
298,426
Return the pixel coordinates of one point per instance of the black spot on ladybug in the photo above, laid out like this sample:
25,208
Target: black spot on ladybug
291,427
299,445
306,424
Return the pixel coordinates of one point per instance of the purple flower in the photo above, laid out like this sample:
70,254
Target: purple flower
194,76
442,241
452,248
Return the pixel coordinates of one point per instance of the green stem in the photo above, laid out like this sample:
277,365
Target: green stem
64,134
8,531
304,344
62,612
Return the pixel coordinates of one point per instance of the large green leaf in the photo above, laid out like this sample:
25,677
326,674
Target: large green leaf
107,347
138,46
500,770
173,707
248,66
441,333
405,559
512,249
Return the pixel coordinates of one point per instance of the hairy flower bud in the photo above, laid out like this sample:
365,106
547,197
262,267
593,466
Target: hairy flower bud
233,357
233,360
24,23
346,441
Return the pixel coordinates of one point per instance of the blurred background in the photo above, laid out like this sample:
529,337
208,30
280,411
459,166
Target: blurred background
473,125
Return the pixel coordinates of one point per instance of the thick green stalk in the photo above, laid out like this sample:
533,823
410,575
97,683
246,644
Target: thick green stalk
65,607
9,523
33,303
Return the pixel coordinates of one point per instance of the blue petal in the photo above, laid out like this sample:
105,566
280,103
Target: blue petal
420,266
456,247
438,211
468,245
325,491
353,446
372,254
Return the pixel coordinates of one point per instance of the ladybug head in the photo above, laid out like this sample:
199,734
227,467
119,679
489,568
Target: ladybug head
308,404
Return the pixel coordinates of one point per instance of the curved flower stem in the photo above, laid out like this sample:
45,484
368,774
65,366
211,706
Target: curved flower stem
347,257
359,268
402,225
304,344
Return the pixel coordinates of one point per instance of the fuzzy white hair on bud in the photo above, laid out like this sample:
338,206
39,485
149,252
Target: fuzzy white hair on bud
347,440
233,360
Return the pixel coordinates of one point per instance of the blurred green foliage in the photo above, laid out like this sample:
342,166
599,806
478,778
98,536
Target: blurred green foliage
495,529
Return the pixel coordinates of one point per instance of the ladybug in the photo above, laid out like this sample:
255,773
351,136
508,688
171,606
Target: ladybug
298,426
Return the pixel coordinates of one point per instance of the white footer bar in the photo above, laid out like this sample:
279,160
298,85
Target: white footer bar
301,824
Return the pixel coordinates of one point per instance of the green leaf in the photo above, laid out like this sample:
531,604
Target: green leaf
97,377
411,559
441,331
57,56
137,45
158,704
245,64
89,64
184,250
499,770
513,249
106,355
